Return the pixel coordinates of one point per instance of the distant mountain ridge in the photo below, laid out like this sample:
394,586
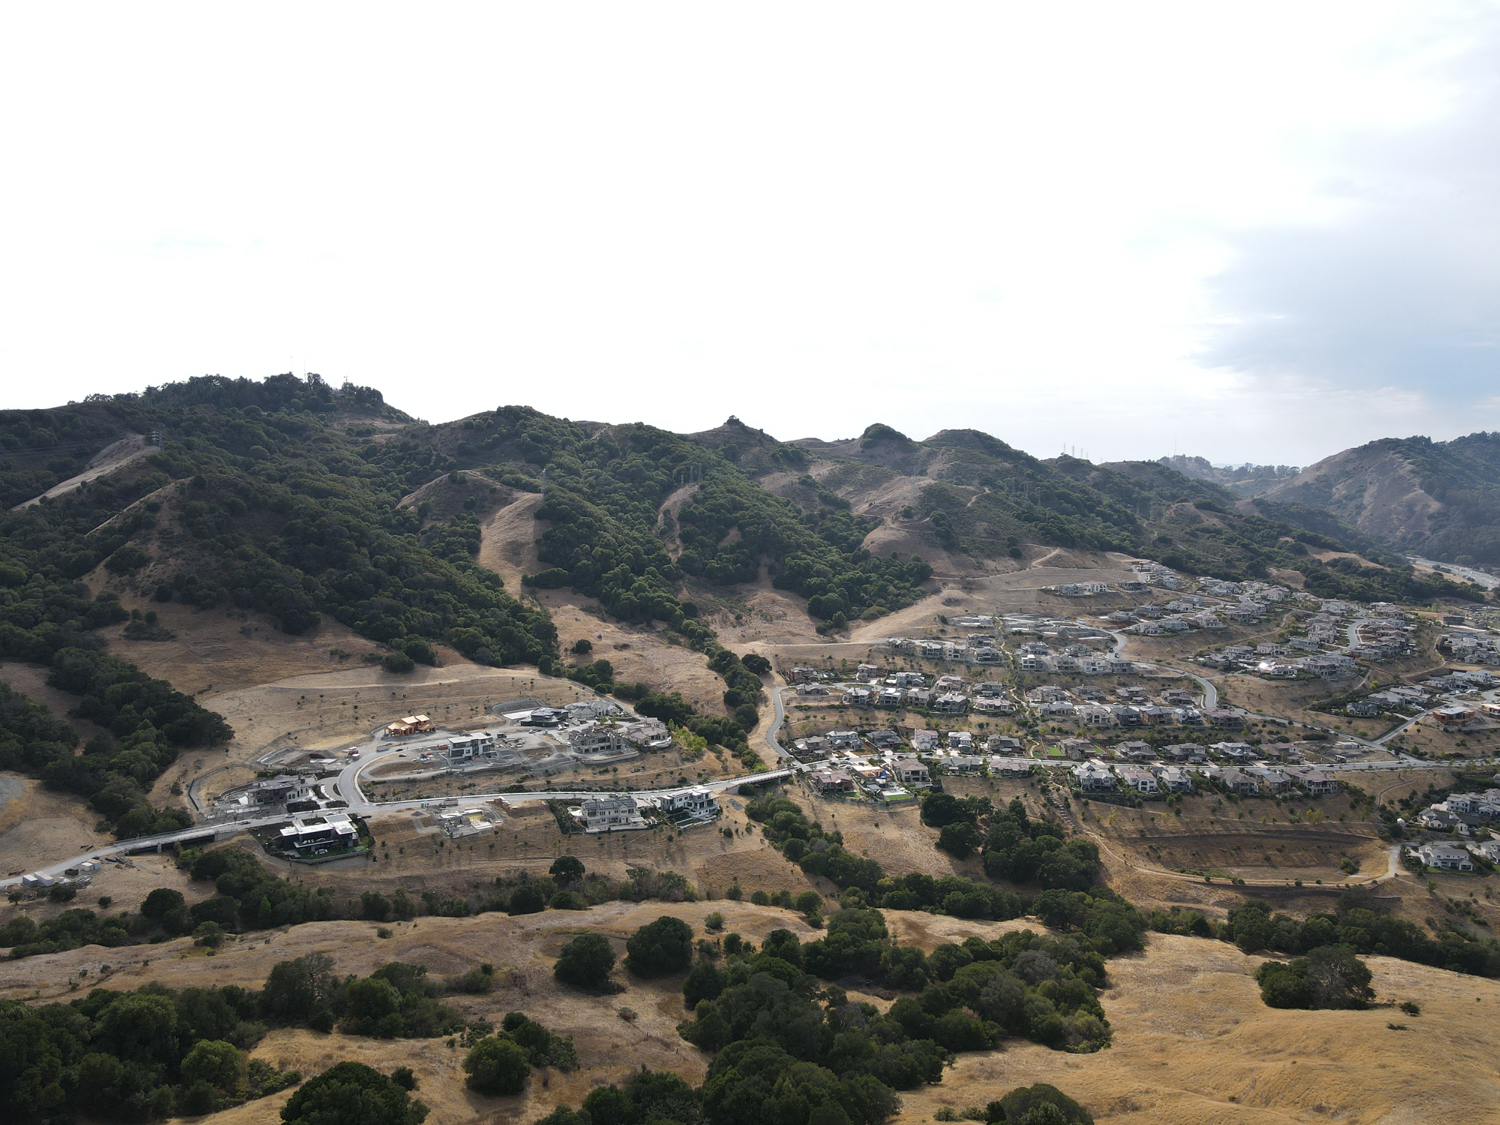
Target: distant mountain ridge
1246,479
1431,498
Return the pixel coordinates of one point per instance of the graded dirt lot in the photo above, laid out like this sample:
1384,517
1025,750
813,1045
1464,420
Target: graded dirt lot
1192,1041
326,710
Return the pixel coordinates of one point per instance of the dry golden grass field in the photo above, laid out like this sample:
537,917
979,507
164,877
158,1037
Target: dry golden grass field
1192,1041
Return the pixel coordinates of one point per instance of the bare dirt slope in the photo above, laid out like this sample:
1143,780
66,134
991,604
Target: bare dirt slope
217,650
323,710
638,655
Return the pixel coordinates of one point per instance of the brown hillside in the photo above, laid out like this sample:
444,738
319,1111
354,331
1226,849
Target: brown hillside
1192,1041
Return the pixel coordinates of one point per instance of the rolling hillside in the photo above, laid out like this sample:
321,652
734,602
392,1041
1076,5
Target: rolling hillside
1438,499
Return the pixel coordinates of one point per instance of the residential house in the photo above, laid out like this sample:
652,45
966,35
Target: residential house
1174,779
408,725
1095,716
1093,776
960,740
647,734
925,740
950,703
1445,857
1438,817
282,789
1317,783
1003,744
910,772
1234,751
811,749
963,763
883,739
318,834
1272,780
843,739
890,698
1226,717
1136,777
696,802
1238,781
596,739
611,812
829,782
464,749
1009,767
1077,749
1455,716
1185,752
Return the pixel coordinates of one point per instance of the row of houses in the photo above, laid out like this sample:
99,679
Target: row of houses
1099,716
977,650
612,740
624,812
1257,780
1472,648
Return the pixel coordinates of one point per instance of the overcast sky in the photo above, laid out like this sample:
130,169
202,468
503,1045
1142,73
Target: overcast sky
1251,232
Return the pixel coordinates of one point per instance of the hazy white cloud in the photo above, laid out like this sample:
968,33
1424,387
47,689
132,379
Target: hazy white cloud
1116,228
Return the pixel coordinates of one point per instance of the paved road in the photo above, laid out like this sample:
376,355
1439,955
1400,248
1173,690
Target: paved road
772,743
1210,693
142,843
224,828
1488,581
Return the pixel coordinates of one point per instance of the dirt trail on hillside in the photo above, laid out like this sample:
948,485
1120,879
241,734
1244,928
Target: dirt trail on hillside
107,460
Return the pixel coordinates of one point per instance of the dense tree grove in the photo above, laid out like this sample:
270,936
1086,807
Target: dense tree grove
133,1056
1361,923
250,897
1017,848
660,947
146,724
351,1093
501,1063
288,509
153,1052
1330,976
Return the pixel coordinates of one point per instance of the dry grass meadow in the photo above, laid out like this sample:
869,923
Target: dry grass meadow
1192,1042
